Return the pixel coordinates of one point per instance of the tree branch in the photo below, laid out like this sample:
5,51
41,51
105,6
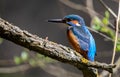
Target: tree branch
48,48
110,10
15,69
80,7
105,73
116,35
85,9
103,35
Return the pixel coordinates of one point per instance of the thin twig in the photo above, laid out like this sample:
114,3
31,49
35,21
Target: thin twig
105,36
115,70
15,69
80,7
110,10
86,9
116,36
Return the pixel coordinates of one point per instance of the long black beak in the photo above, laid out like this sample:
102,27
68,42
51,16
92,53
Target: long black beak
56,20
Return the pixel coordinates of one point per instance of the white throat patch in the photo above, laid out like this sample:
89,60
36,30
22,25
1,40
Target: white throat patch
77,24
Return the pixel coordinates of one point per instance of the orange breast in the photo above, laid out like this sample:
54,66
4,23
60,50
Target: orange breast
74,21
73,40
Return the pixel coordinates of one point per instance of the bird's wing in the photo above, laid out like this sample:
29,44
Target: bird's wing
82,37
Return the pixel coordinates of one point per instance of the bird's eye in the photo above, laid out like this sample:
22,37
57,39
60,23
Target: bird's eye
66,20
69,20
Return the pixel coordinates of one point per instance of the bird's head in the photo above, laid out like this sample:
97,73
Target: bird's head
71,20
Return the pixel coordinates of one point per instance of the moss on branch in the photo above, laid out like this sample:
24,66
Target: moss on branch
49,48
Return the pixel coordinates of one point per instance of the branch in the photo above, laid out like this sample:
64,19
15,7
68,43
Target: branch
80,7
87,9
105,73
110,10
15,69
116,35
103,35
48,48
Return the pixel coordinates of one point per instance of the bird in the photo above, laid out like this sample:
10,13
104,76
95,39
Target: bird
79,35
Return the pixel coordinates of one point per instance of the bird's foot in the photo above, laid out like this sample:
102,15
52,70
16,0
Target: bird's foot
84,60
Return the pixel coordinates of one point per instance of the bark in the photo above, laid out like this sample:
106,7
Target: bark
50,49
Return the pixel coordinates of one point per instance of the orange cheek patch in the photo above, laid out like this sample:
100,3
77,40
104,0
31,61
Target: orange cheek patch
74,21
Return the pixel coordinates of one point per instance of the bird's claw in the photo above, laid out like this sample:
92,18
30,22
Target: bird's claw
84,60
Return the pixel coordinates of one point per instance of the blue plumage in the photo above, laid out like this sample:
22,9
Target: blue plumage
85,40
79,36
84,37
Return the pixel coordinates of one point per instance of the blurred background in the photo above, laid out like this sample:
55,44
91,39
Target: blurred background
32,15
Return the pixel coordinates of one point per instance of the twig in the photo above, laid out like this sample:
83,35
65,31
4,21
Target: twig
116,36
91,12
6,62
110,10
105,36
15,69
105,73
80,7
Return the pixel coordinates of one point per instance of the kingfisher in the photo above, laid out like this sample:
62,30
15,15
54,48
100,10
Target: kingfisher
78,35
